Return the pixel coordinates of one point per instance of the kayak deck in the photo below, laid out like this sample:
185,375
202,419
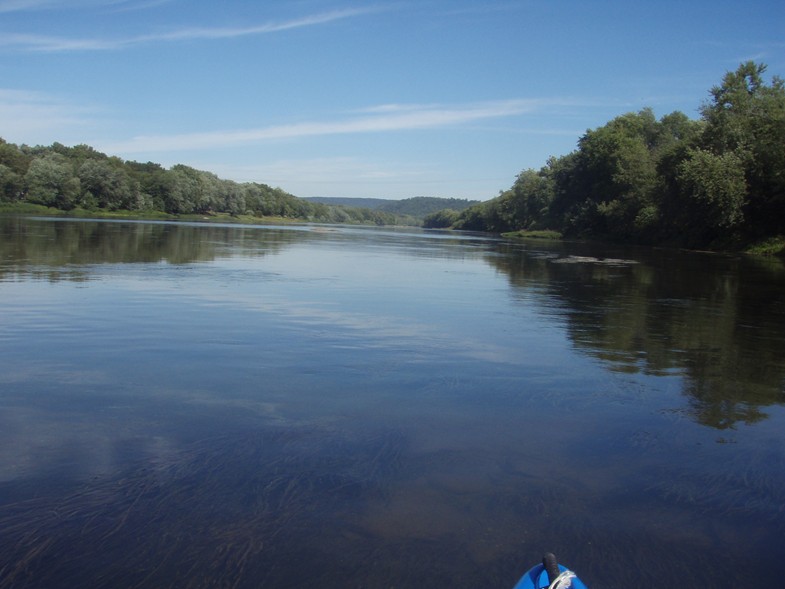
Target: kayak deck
549,575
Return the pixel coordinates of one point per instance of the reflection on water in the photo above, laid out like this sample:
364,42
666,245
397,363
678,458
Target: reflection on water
229,406
717,320
58,248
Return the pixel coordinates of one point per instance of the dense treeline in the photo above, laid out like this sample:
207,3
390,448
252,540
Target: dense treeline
418,207
421,206
719,180
80,177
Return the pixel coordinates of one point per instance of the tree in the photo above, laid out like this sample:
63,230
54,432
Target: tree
528,200
187,193
716,189
733,104
11,184
155,184
440,219
746,117
13,167
50,181
232,198
106,184
14,158
616,167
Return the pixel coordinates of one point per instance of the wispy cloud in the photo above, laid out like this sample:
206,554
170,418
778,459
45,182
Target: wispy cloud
128,5
271,27
382,119
385,118
36,117
322,171
34,5
760,53
482,8
24,5
42,43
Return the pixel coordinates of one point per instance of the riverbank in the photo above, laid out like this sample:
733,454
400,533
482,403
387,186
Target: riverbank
78,213
772,246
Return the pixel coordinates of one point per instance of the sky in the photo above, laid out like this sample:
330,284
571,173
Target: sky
380,99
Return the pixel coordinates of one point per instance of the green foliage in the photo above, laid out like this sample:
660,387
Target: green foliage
420,206
50,181
528,200
715,186
717,180
417,207
28,208
772,246
746,117
107,184
534,234
11,184
154,182
85,181
486,216
13,167
440,219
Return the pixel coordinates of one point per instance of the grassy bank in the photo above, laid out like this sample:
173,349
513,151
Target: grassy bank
40,210
773,246
539,234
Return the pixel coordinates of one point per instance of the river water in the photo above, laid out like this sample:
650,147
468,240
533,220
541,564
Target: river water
187,405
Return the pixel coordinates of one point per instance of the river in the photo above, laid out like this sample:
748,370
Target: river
200,405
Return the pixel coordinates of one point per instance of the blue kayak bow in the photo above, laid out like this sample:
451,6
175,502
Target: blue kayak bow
550,575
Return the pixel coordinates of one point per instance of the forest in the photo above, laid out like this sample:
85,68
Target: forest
81,179
416,206
716,182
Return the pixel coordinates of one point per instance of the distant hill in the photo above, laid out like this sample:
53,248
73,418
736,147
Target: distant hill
360,203
418,206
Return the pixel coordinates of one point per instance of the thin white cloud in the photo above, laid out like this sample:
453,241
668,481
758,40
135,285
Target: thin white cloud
142,4
36,117
24,5
33,5
381,119
321,171
272,27
352,176
43,43
482,8
760,57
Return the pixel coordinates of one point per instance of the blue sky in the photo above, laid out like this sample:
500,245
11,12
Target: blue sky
362,99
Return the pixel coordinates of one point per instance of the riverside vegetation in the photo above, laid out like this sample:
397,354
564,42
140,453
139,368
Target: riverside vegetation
717,182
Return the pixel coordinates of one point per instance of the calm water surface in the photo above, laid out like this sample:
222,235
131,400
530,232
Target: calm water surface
228,406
